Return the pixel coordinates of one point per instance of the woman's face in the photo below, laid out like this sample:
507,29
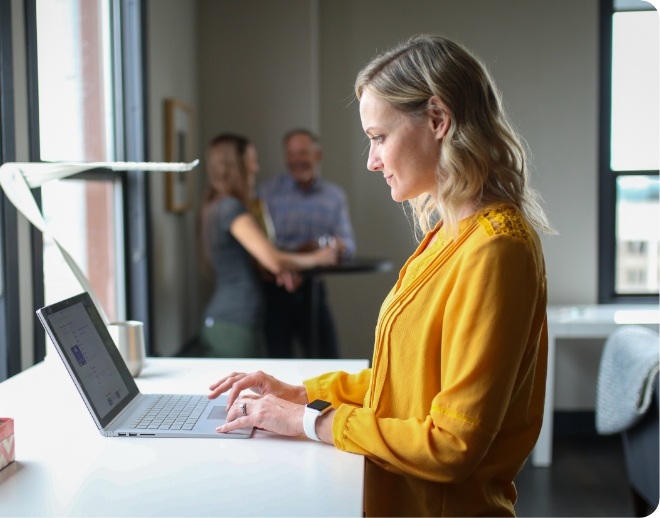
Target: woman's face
406,150
251,165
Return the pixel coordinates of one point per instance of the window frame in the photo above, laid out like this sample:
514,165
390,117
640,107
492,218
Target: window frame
34,151
607,178
10,332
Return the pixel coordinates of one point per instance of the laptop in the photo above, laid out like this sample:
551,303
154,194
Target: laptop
107,388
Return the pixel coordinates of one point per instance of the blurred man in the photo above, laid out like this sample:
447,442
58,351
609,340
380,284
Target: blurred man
306,211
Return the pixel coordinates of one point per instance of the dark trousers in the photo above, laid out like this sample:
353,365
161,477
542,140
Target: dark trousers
289,316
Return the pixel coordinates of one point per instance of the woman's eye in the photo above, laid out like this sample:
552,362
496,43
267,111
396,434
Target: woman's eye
377,139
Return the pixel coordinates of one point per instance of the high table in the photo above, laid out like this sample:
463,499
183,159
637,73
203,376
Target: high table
588,321
355,265
64,467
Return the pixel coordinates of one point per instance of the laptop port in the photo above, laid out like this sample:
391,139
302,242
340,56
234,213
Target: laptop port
148,434
131,434
122,434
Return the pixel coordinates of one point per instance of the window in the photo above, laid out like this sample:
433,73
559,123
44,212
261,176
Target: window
85,103
76,108
90,108
629,153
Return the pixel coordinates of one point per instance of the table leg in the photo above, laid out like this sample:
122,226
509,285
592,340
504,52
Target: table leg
542,453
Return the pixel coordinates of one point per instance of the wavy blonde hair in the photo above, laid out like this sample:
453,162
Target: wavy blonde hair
482,159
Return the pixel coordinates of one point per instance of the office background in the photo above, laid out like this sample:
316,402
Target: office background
262,67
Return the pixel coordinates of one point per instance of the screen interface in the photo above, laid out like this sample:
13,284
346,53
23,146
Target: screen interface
89,358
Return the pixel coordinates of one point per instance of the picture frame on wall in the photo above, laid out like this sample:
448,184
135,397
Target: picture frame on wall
179,147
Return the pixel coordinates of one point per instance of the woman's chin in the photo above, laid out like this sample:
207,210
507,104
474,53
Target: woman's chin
400,197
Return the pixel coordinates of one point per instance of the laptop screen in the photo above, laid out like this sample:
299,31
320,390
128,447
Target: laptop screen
90,355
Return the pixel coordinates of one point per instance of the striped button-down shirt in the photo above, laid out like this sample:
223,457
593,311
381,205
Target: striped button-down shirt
300,216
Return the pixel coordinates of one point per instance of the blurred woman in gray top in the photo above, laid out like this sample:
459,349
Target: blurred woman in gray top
232,243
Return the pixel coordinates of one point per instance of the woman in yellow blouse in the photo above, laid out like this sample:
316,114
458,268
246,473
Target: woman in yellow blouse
453,404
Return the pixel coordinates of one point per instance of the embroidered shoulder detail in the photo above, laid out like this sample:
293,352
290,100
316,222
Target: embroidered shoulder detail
505,220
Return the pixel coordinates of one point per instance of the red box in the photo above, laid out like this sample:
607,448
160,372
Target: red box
7,454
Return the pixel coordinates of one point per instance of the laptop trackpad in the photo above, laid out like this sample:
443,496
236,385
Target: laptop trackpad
218,412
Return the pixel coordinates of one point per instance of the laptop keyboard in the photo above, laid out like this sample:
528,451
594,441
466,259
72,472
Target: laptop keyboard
171,412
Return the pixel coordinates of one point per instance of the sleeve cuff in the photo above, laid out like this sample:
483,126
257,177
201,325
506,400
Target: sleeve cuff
314,390
340,423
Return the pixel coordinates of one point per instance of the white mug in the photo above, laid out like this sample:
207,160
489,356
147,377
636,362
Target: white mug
129,339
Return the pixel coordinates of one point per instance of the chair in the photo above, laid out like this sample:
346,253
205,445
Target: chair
641,451
627,403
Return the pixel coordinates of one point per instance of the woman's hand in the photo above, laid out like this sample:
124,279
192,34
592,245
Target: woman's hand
290,280
267,413
260,383
326,256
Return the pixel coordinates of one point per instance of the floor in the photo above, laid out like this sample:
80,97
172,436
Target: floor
587,478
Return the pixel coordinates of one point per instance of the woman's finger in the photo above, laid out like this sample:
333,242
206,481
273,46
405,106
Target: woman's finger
233,377
252,381
241,422
222,380
237,388
227,384
239,411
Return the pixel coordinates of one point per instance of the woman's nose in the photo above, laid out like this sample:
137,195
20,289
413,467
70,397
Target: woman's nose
374,163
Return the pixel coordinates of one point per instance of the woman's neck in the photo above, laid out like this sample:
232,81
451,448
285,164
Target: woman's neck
467,210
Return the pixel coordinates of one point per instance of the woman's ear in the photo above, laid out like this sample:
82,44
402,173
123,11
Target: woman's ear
439,117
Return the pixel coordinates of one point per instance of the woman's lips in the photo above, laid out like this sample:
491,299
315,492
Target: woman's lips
388,178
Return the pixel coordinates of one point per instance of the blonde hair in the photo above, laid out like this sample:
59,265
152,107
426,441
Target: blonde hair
482,159
227,176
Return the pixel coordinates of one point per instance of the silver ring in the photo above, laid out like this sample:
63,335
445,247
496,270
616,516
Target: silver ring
244,409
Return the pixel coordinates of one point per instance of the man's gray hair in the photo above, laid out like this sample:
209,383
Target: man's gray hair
301,131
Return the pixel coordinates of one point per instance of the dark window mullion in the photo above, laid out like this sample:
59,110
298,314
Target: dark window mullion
606,180
643,172
10,317
128,47
38,294
607,237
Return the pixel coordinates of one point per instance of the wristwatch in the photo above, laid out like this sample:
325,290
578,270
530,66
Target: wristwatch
313,410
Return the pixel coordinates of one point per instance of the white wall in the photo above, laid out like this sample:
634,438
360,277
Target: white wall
257,72
172,73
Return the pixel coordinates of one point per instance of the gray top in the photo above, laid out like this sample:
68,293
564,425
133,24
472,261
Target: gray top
237,297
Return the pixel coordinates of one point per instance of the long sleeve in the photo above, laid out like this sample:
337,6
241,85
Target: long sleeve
479,323
339,387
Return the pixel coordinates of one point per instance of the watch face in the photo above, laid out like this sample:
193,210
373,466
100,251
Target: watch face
319,404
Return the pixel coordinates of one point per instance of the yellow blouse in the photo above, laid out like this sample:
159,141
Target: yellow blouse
453,403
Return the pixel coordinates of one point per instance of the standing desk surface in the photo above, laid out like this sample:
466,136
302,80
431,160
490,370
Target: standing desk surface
65,467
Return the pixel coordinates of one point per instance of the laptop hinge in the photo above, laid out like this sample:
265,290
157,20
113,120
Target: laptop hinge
120,418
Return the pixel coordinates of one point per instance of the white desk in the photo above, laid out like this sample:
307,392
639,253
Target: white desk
64,467
582,322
